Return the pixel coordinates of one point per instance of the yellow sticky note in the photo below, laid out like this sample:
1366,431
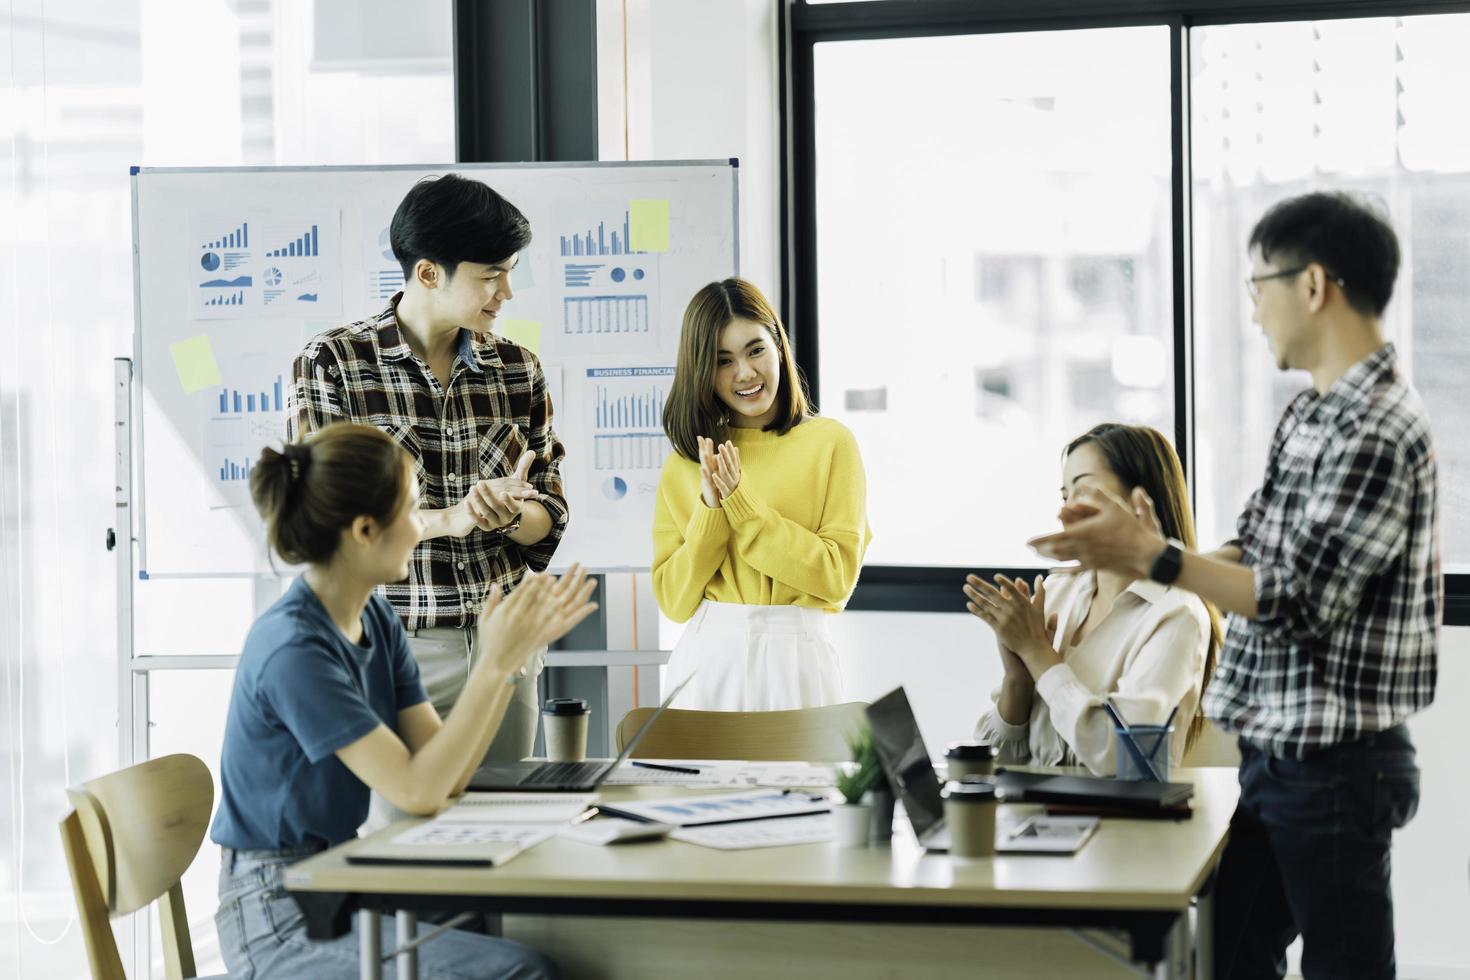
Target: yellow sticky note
648,226
527,333
194,360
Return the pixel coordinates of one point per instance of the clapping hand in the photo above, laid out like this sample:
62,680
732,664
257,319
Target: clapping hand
495,503
707,467
541,609
1018,616
1104,532
719,470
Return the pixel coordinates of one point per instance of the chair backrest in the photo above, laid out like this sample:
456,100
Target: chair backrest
802,734
129,838
1213,748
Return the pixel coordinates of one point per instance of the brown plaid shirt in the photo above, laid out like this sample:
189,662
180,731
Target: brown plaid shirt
495,408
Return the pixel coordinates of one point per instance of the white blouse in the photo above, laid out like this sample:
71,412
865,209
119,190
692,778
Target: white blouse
1148,654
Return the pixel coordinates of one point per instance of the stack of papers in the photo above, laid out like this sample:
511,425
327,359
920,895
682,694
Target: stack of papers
759,833
691,811
715,773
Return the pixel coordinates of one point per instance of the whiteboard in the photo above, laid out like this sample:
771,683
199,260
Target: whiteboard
236,269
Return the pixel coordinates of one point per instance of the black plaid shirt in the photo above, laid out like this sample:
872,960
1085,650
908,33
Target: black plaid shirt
495,408
1344,539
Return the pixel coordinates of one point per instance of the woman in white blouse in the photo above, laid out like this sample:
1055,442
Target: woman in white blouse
1080,637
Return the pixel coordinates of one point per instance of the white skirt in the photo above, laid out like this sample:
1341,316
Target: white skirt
755,658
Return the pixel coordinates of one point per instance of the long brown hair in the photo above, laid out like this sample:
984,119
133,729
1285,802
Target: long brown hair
309,491
693,409
1141,457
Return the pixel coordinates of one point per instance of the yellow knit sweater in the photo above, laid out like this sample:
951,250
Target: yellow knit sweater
792,534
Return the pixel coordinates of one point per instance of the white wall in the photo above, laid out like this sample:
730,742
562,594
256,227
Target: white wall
702,82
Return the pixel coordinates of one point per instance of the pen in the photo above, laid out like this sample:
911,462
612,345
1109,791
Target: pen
664,768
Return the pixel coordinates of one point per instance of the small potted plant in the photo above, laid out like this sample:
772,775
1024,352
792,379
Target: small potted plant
852,817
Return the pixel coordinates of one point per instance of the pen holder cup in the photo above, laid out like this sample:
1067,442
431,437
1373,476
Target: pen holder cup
1152,742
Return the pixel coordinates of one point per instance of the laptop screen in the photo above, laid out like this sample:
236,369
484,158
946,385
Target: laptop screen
905,760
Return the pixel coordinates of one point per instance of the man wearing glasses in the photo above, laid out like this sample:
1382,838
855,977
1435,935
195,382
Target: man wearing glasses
1336,598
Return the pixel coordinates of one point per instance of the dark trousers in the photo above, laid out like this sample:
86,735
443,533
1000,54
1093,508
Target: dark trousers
1308,855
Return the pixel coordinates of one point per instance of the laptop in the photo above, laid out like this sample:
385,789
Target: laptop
563,777
911,776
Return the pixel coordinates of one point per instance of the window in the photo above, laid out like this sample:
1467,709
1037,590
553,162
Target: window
92,88
1365,105
993,258
1011,223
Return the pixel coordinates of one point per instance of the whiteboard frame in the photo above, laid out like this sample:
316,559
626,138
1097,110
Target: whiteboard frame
139,495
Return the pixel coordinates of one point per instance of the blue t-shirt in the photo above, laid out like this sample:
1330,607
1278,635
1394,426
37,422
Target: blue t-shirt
302,692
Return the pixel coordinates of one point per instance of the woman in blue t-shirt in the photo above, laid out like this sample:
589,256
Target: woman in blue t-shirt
328,705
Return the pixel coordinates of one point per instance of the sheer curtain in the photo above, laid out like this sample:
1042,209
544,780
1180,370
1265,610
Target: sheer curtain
89,88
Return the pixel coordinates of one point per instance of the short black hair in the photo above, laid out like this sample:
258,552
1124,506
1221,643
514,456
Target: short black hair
1348,236
452,219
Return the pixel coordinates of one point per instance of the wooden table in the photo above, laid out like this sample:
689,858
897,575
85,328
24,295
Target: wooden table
684,909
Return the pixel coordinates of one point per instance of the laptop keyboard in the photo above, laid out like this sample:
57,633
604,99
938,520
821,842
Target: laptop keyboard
564,772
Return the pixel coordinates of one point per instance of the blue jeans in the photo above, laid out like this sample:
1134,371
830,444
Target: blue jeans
1308,855
262,934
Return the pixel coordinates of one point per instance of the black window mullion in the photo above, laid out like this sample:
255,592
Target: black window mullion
1182,246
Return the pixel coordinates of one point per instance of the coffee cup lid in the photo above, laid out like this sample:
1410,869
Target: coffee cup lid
564,706
969,791
970,751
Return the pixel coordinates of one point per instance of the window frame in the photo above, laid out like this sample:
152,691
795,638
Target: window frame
935,588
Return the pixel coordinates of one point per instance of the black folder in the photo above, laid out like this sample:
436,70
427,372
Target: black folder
1093,794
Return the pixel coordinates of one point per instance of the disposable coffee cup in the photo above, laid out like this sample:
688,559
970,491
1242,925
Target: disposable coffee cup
564,722
1153,742
969,812
970,759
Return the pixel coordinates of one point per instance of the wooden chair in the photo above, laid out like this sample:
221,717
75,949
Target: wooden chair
803,734
129,839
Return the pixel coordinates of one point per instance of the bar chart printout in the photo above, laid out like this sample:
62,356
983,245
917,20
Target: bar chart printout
625,407
609,293
602,238
240,420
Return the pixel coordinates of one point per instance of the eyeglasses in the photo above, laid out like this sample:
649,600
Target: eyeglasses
1252,283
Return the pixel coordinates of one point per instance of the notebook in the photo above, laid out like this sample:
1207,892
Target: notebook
441,843
479,830
1095,794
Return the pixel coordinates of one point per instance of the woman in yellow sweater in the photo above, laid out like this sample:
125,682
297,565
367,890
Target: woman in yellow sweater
761,521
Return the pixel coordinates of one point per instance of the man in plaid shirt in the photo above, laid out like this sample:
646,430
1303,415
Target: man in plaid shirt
474,413
1336,597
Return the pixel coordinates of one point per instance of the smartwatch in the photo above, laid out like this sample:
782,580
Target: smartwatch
1167,566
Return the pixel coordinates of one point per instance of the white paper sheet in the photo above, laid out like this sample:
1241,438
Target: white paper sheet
759,833
449,833
518,808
